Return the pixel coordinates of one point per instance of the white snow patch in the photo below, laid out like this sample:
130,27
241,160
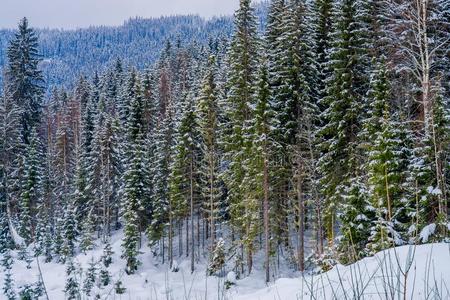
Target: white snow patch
427,231
429,263
231,277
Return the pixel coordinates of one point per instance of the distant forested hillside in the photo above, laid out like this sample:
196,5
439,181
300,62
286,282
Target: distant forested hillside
138,42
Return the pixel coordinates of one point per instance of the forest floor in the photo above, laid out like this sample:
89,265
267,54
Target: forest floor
425,269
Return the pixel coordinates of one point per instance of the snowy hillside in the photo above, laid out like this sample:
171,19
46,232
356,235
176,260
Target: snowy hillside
427,269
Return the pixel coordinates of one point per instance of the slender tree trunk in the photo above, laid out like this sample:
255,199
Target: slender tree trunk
211,202
187,237
191,198
250,260
266,218
301,225
170,242
180,238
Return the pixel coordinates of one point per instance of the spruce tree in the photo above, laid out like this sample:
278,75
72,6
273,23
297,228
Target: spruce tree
90,278
31,196
387,165
9,133
241,84
84,191
106,261
8,284
298,117
69,232
71,289
208,122
260,168
24,77
136,181
344,105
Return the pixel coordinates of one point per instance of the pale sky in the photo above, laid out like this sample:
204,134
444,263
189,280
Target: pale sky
72,14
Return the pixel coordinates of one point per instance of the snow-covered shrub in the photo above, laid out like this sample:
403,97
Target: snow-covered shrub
231,280
324,262
217,258
175,267
119,288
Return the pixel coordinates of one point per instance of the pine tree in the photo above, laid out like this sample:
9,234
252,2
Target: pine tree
69,232
106,261
184,180
208,122
258,178
298,118
160,156
58,241
71,288
8,284
9,132
90,278
119,288
84,191
87,233
24,77
136,181
104,173
344,105
427,176
387,165
107,254
323,25
31,196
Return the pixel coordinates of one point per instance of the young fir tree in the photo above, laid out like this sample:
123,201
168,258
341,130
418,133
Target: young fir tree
135,181
72,289
106,261
8,283
58,241
90,278
43,240
69,232
243,57
339,161
6,240
31,196
24,78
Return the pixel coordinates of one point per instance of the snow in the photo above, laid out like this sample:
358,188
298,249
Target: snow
231,277
429,269
426,232
18,240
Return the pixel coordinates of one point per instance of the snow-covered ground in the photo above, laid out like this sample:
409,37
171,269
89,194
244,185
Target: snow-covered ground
380,277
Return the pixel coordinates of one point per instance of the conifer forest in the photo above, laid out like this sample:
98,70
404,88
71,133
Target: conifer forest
294,139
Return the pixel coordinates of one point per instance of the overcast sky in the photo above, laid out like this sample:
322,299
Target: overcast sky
82,13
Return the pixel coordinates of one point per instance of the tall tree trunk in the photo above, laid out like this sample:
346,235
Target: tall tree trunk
301,225
211,203
191,198
170,242
266,218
